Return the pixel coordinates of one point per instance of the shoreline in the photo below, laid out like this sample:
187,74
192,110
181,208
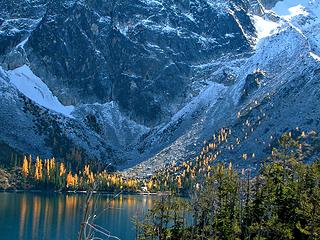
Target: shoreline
82,192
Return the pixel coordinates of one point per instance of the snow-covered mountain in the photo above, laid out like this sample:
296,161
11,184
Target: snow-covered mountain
274,90
144,83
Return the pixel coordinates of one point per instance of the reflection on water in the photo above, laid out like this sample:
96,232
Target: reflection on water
58,216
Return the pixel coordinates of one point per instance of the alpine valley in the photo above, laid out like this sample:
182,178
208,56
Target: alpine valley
141,84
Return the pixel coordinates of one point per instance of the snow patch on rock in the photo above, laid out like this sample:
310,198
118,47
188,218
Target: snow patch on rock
315,56
208,97
264,27
291,8
34,88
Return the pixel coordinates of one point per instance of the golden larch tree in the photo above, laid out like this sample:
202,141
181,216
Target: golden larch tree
25,166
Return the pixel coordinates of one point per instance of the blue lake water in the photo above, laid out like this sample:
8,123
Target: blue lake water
58,216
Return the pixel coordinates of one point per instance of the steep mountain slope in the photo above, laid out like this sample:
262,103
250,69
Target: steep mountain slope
147,82
274,90
131,52
113,61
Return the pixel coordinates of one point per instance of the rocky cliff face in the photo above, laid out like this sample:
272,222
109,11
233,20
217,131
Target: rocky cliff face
274,90
127,81
132,52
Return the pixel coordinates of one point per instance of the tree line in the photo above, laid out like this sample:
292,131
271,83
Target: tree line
49,174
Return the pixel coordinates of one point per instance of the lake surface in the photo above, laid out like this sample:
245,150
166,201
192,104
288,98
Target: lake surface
58,216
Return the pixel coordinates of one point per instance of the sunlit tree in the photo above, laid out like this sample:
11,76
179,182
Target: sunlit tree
25,166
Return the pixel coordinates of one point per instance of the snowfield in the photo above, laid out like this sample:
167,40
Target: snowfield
35,89
291,8
264,27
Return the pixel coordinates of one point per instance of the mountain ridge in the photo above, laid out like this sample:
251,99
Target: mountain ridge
140,118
